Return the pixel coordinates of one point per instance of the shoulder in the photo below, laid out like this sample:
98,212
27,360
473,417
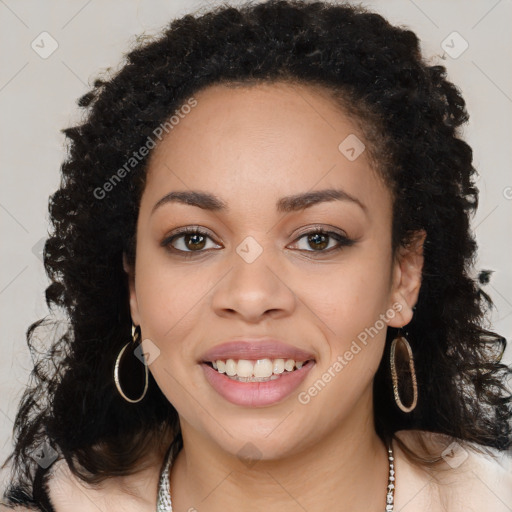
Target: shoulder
470,477
135,492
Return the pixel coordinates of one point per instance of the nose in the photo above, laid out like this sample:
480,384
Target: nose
254,287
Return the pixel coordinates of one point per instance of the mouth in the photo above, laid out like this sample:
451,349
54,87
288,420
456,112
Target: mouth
258,389
255,372
259,370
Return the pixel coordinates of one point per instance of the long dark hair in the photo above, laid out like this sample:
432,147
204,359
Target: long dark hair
410,114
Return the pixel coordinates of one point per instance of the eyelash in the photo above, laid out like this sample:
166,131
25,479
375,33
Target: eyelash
342,240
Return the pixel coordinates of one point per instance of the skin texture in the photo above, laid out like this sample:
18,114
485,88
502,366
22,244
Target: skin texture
250,146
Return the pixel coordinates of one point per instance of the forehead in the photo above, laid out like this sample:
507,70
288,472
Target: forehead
248,142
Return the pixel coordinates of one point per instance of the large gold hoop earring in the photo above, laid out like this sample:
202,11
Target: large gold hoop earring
401,338
134,362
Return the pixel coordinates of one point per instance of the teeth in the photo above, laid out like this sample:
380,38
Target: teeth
245,369
260,369
278,366
231,367
289,364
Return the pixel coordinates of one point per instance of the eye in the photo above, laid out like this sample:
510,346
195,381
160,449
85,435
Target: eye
320,240
189,240
193,239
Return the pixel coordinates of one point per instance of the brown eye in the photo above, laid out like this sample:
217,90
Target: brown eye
322,241
187,241
318,240
194,241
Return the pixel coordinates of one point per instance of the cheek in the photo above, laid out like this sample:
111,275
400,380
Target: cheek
167,310
168,296
169,299
353,308
352,295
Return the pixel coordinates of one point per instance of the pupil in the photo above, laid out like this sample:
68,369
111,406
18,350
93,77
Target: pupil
194,236
315,239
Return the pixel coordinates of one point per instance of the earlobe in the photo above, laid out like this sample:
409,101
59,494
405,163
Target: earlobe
408,269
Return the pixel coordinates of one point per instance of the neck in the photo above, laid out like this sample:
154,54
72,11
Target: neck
347,469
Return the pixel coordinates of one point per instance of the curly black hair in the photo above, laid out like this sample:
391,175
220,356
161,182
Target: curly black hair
410,115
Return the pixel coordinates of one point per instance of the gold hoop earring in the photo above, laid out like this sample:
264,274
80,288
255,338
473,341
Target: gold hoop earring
403,339
117,367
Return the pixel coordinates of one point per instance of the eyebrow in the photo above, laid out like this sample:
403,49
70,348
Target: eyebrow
287,204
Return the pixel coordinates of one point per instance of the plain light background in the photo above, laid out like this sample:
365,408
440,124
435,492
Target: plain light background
38,98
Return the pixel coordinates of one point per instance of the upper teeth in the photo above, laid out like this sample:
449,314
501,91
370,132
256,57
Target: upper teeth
259,368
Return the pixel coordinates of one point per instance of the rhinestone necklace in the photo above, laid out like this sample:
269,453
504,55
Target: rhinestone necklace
164,503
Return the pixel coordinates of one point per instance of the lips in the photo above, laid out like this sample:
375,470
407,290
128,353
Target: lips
255,349
256,394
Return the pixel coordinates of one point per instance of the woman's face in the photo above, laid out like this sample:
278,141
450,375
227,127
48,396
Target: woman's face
258,276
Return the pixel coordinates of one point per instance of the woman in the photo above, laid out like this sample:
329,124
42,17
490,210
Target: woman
262,244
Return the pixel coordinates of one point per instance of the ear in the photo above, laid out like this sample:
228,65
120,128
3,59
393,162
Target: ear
407,270
134,307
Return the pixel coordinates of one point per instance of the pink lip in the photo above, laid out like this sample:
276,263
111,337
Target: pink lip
253,350
256,394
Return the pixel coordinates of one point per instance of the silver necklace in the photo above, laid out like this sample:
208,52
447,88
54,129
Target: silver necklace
164,503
